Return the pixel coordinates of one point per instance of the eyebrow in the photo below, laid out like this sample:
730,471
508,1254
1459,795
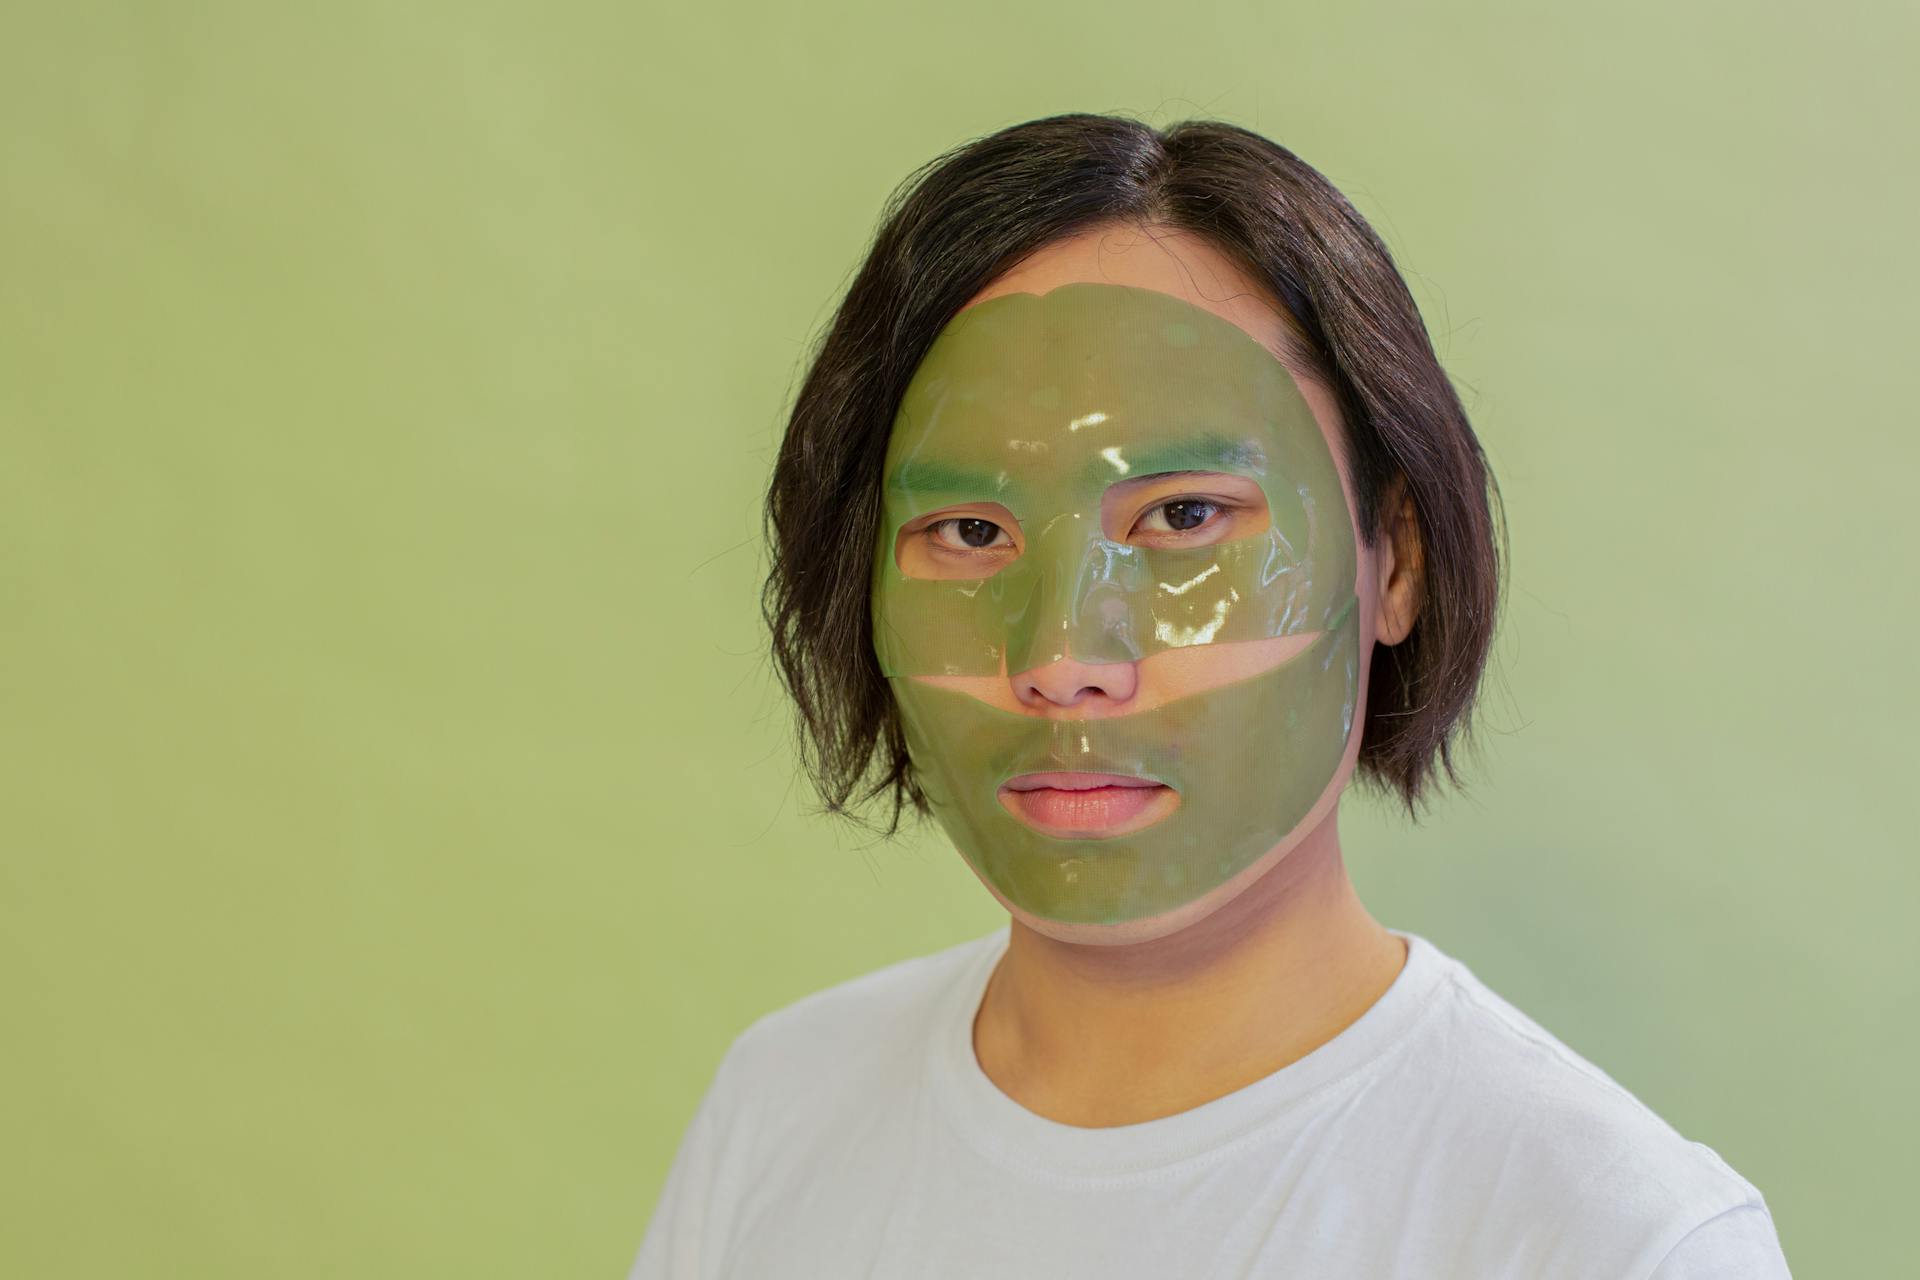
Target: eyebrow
1184,455
1145,476
938,477
1198,453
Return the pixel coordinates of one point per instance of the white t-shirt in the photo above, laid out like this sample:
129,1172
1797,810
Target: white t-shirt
1443,1134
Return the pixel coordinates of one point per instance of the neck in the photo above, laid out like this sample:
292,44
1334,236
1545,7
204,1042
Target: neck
1097,1036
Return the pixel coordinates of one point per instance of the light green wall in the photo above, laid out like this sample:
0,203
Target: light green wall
396,813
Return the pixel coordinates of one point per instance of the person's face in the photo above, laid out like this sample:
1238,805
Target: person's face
1117,589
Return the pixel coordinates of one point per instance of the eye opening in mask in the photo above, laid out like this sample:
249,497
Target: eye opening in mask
968,540
1238,508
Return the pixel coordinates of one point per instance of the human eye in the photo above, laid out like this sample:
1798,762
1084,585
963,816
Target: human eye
962,535
1183,519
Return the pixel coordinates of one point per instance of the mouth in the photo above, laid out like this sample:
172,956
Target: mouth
1087,805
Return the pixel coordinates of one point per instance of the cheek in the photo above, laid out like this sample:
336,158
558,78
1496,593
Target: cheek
993,690
1180,673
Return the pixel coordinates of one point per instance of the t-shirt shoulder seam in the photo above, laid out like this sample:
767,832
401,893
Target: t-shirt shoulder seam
1541,1039
1753,1200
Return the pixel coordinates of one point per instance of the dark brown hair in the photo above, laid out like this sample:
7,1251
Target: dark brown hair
964,218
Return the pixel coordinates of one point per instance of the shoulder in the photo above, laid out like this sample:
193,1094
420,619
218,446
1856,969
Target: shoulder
1740,1244
861,1033
862,1010
1545,1122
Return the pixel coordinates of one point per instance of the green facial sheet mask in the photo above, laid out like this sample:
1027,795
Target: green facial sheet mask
1039,403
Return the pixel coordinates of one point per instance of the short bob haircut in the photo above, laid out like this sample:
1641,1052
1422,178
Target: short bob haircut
967,216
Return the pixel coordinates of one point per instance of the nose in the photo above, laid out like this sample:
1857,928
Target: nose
1068,682
1073,594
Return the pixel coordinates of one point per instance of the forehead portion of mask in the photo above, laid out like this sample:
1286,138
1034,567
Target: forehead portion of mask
1038,403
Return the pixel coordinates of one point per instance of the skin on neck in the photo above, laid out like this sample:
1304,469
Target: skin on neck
1098,1036
1130,1026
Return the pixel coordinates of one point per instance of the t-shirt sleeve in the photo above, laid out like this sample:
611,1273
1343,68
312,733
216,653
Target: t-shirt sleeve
1737,1244
679,1243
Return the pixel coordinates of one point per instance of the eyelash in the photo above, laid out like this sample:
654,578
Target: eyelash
1219,509
940,544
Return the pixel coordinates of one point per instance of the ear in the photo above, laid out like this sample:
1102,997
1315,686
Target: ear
1400,562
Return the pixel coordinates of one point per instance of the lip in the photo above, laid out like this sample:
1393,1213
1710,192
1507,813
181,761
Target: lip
1086,805
1076,781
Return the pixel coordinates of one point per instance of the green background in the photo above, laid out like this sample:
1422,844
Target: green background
397,818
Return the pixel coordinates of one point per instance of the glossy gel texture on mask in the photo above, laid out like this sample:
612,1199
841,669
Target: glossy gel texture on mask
1249,760
1039,402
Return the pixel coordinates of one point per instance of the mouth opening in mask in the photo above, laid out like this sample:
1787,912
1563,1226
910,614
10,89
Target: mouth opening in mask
1087,805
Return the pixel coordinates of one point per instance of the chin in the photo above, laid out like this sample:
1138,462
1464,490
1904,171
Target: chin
1151,928
1216,901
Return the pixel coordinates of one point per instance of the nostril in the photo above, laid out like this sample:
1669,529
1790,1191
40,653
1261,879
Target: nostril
1067,683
